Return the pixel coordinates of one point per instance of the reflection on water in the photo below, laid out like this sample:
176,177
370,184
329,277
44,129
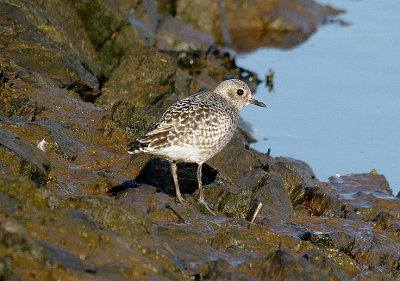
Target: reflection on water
336,98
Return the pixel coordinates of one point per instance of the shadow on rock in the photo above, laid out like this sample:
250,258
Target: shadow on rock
157,172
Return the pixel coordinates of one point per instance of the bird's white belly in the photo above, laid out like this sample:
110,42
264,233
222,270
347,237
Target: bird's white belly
189,154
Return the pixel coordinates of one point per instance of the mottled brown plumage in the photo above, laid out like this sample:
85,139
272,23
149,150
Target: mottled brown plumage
197,127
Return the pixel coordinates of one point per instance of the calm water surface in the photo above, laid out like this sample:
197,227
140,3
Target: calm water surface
336,102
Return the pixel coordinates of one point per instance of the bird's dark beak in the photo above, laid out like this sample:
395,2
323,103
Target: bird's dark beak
257,102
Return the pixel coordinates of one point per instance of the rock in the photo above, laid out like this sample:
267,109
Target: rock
27,26
143,77
222,270
378,252
143,15
185,85
236,161
62,143
23,158
366,194
157,172
269,189
67,244
136,121
117,216
247,21
302,168
317,200
235,202
383,220
321,261
336,240
282,264
176,35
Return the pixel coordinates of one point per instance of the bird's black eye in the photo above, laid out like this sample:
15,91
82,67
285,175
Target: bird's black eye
240,92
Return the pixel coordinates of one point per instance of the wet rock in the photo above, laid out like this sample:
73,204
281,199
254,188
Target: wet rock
383,220
142,77
143,15
23,158
378,251
136,121
108,31
222,270
157,172
247,21
176,35
24,23
236,160
36,242
12,102
336,240
321,261
117,216
366,194
302,168
282,264
235,202
318,201
62,143
269,189
241,238
21,187
185,85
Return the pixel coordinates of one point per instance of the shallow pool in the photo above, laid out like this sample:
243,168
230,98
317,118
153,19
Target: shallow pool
336,98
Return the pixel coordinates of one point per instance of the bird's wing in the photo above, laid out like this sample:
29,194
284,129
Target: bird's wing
190,122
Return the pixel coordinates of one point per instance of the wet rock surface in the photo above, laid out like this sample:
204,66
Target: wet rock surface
81,79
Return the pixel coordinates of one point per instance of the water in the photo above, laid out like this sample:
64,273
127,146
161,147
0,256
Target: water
336,102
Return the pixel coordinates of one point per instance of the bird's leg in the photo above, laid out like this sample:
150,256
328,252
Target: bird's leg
175,176
201,199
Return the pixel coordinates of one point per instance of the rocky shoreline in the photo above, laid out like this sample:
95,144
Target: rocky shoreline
89,76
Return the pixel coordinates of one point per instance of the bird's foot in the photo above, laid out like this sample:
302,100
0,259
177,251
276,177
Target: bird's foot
207,207
181,200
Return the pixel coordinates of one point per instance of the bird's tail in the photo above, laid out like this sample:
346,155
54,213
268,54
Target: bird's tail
136,147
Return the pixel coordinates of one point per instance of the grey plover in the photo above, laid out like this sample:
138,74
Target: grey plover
196,128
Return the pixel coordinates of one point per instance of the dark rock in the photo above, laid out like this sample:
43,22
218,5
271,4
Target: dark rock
366,194
108,31
157,172
21,187
317,200
247,21
283,265
117,216
383,220
242,239
321,261
394,229
336,240
27,26
136,121
378,251
61,257
143,15
302,168
23,158
269,189
63,143
176,35
291,177
235,202
185,85
236,160
142,77
222,270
